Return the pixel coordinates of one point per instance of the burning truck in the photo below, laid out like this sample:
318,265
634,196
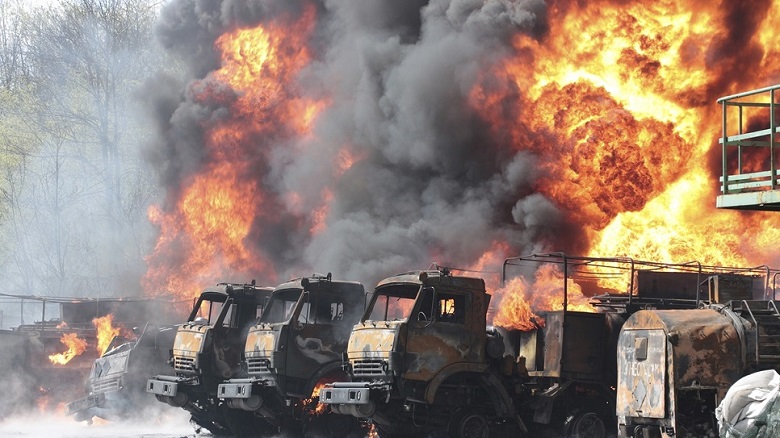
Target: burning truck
207,350
422,359
290,354
46,361
115,386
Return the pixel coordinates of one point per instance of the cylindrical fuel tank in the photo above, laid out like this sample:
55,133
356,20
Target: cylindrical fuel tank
676,350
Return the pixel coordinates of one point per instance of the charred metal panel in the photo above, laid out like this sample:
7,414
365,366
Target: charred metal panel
574,345
642,373
659,284
724,288
311,347
432,346
706,351
702,352
531,350
373,340
106,366
431,351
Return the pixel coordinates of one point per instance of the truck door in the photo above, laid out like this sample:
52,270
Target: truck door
642,374
440,333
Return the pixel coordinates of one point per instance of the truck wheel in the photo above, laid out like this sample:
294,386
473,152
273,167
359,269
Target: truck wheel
239,423
340,426
331,425
469,424
586,424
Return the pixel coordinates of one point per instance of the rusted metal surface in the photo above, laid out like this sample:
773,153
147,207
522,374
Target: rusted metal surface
642,374
189,342
664,352
373,340
430,342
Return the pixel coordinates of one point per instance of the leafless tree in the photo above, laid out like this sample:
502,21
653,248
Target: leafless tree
78,198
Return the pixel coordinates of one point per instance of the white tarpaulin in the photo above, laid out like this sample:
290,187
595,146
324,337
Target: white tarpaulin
750,408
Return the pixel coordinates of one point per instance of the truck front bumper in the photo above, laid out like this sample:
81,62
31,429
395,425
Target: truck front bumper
169,385
81,407
345,393
243,388
353,398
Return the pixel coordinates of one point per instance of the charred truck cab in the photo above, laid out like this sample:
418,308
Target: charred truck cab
418,360
294,349
116,381
207,350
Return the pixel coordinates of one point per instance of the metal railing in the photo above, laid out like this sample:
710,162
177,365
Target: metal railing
735,143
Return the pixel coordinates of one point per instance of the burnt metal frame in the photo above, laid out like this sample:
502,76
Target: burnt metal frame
626,264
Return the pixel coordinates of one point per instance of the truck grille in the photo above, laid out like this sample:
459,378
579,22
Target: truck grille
368,368
105,385
257,365
181,363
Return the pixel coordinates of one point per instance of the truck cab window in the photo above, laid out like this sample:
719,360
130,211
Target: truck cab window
328,309
451,308
391,303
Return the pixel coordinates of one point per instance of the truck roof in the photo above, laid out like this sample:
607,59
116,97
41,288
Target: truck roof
434,278
221,291
318,282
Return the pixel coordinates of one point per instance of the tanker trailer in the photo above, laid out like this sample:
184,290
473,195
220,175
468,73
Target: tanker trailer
675,366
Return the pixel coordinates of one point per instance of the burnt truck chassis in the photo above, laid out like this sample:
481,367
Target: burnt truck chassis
290,353
206,351
560,377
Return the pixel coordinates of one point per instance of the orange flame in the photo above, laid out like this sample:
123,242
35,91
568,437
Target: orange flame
520,302
75,346
43,400
204,235
616,101
618,104
105,332
633,117
314,400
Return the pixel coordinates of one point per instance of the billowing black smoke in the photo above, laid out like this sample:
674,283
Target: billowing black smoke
431,181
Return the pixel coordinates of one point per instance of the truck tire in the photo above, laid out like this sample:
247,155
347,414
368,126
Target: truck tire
586,424
469,423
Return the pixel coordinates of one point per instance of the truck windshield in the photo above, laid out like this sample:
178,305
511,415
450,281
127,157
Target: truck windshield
209,310
280,307
392,303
